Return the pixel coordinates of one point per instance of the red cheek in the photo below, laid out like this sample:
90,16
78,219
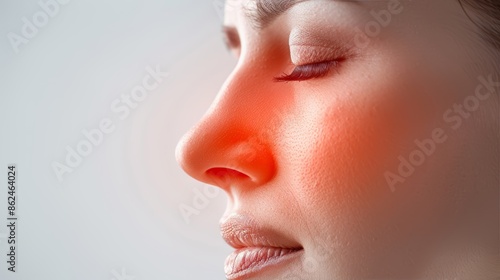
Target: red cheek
361,139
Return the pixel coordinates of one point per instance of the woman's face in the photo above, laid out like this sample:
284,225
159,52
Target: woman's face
338,141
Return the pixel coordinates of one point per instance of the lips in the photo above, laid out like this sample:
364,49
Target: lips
256,247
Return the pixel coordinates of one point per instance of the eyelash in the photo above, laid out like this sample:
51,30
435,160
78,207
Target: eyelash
309,71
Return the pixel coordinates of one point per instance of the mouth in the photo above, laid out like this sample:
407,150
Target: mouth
257,249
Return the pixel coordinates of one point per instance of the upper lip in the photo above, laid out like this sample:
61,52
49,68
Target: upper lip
241,231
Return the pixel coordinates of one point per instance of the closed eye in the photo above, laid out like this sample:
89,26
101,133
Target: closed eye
309,71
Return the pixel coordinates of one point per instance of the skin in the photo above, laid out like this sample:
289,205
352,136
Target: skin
308,159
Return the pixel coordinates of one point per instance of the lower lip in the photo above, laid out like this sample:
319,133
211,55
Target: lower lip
247,261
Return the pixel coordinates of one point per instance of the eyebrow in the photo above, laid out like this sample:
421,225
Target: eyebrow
262,13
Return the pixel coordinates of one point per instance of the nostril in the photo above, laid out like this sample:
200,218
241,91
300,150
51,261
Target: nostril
226,172
224,176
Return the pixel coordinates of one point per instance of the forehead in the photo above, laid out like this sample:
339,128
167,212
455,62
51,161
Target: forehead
231,9
259,12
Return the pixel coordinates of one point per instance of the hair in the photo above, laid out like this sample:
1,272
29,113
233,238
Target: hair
486,15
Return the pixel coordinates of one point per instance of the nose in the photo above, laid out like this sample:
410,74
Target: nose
230,146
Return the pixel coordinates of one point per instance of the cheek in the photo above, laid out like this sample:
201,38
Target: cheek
340,141
349,139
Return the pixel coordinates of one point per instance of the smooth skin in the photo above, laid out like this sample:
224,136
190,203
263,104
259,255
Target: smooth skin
309,158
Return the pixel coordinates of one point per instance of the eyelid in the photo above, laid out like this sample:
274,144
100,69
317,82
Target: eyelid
309,71
313,61
308,54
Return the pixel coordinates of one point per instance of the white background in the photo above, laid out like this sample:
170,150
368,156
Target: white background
117,214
